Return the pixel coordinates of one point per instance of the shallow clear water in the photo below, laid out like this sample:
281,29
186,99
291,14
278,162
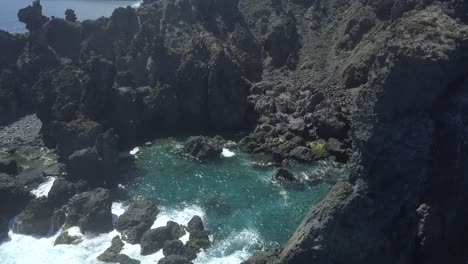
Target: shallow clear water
85,9
244,209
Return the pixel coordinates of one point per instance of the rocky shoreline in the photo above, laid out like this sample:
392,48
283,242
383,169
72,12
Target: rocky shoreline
378,85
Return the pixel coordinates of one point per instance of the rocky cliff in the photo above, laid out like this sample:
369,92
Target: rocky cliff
380,85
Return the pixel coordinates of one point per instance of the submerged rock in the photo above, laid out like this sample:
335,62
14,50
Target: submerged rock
66,239
138,218
91,211
154,239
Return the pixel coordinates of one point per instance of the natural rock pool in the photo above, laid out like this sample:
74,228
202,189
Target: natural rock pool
239,203
241,206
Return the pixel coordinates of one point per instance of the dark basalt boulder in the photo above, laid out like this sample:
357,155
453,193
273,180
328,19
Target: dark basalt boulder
98,163
154,239
338,150
199,237
285,177
113,255
174,259
330,124
35,219
91,211
31,178
66,239
303,154
138,218
177,247
62,190
202,148
195,224
8,166
4,228
13,196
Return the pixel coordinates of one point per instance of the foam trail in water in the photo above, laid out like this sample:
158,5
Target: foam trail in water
44,188
235,249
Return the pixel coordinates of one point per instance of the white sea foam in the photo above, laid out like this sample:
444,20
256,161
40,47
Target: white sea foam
227,153
44,188
134,151
233,250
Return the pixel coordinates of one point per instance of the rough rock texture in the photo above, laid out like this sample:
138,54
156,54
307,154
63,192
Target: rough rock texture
91,211
177,247
283,176
13,196
63,190
379,84
66,239
4,228
202,148
38,218
174,259
8,166
154,239
138,218
199,237
403,63
113,255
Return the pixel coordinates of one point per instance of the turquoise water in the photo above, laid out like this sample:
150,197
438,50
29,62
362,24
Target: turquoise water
237,197
85,9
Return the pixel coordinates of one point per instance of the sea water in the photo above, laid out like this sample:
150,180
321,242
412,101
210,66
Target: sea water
242,207
85,9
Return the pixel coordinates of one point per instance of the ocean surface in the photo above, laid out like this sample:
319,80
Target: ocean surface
243,209
84,9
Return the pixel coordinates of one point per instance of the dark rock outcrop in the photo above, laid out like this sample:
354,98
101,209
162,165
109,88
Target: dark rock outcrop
283,176
202,148
177,247
63,190
13,196
4,228
199,237
66,239
174,259
154,239
414,145
138,218
113,255
8,166
36,218
91,211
